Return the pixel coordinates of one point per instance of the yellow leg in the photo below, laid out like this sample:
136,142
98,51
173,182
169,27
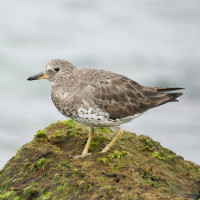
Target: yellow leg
87,146
117,136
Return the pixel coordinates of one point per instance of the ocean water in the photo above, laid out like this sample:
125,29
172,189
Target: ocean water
156,43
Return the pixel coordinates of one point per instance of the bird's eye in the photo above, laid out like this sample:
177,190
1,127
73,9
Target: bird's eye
56,69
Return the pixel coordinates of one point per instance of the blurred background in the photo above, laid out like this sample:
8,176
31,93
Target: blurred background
156,43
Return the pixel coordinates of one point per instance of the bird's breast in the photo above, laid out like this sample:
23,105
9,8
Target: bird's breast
62,101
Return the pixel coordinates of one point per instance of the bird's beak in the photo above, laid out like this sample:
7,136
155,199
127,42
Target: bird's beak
41,75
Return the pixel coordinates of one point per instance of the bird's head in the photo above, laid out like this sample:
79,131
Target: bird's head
56,71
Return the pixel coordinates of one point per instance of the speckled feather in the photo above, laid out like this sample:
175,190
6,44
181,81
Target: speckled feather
103,98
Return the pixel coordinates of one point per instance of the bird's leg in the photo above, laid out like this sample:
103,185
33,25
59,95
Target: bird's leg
91,135
85,151
117,136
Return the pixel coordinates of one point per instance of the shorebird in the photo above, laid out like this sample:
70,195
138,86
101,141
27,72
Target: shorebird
99,98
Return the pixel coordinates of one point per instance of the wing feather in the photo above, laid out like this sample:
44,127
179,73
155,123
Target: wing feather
122,97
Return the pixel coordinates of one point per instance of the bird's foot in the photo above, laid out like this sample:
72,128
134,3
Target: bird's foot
82,155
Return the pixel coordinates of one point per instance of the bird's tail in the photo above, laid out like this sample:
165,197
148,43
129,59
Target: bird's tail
159,89
172,96
162,96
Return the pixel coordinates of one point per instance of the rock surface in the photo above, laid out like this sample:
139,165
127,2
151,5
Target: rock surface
136,168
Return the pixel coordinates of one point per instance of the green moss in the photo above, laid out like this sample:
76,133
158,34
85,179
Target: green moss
106,130
76,173
55,178
157,155
62,186
30,192
71,127
58,133
72,134
41,134
18,198
67,164
116,155
96,141
71,124
5,184
10,195
198,195
45,196
89,187
106,187
136,167
42,163
149,143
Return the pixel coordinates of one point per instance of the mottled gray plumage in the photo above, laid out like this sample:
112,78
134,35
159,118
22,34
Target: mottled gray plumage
99,98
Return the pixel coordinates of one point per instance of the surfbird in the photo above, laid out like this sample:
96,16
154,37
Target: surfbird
99,98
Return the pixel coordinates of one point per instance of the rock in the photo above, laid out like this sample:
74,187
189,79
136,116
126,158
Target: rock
136,168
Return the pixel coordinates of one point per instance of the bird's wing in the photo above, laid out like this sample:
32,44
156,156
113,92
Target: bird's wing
118,96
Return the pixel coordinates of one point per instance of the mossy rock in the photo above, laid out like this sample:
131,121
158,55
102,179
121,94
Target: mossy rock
136,168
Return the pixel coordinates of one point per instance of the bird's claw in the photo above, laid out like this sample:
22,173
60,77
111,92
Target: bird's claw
82,155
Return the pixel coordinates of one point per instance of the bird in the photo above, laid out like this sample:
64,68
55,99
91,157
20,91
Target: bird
100,98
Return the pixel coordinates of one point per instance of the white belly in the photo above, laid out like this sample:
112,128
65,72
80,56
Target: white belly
98,118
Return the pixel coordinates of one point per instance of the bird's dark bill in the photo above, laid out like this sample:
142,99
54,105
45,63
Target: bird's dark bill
37,76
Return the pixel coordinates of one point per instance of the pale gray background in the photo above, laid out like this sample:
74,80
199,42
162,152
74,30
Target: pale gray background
155,42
